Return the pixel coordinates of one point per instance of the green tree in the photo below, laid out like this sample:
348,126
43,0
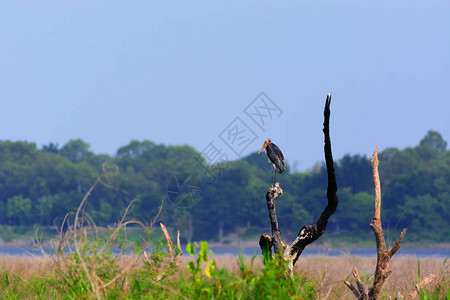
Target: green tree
106,211
425,214
18,208
434,140
354,172
76,150
51,148
56,181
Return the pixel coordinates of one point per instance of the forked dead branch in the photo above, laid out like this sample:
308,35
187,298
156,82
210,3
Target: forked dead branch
308,233
383,255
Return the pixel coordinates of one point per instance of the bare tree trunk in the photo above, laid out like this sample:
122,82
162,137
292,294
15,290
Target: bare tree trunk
272,195
308,234
383,255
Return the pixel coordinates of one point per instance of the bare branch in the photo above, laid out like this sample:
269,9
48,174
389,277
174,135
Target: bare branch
383,255
310,233
168,239
376,183
180,252
359,291
397,243
354,290
169,245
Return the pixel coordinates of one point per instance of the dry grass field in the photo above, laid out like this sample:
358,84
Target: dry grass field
328,272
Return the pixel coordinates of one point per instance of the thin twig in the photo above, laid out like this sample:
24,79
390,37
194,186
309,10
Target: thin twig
180,252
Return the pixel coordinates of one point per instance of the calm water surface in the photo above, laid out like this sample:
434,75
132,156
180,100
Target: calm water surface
419,253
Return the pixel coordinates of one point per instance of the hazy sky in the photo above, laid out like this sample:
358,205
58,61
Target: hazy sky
109,72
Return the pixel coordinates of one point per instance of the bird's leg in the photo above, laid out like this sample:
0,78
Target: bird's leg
273,182
275,178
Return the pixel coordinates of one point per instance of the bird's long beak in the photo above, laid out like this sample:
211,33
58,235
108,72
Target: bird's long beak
262,148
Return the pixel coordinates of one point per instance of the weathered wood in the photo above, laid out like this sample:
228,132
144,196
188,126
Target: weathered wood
419,286
359,291
272,194
383,255
310,233
265,242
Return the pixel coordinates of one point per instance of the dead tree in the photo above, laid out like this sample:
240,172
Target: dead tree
383,255
308,234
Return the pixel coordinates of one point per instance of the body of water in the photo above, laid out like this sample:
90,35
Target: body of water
419,253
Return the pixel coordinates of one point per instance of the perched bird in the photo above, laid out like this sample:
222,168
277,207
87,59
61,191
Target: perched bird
275,157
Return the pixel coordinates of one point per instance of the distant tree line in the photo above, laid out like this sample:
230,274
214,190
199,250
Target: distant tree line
40,186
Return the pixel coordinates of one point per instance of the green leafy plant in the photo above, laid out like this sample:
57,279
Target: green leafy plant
243,268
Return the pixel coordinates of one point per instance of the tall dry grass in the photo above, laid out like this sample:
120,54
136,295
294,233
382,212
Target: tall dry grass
328,272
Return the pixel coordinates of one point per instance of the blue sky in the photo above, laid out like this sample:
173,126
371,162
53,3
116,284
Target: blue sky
179,73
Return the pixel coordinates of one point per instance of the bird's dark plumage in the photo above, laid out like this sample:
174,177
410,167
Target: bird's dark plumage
276,157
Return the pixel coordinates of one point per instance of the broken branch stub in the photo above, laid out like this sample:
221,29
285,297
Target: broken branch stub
310,233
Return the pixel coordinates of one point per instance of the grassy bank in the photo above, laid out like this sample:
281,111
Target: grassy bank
223,277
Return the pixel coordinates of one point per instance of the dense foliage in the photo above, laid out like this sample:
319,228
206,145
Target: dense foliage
39,186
